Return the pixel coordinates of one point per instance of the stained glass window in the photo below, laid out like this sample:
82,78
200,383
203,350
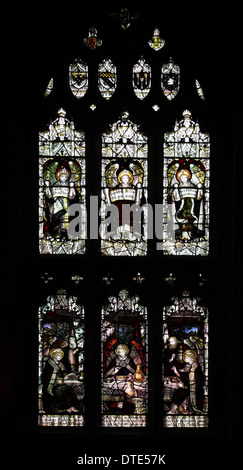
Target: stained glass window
92,41
125,17
156,42
61,361
141,79
185,362
49,88
199,90
124,189
186,188
119,145
61,184
124,362
107,78
78,78
170,79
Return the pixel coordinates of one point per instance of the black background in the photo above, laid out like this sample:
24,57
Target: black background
38,42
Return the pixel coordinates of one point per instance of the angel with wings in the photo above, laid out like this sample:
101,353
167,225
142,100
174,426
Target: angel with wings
186,194
124,187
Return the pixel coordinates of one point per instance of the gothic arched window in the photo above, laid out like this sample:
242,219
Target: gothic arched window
123,133
131,130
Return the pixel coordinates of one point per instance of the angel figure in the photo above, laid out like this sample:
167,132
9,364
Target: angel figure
187,197
122,364
124,187
60,192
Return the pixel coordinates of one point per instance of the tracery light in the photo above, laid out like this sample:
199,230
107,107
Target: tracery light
156,42
170,79
107,78
92,41
199,90
49,88
125,17
141,78
78,78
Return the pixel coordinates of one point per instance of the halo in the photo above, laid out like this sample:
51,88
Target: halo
182,172
62,171
122,346
190,353
54,351
127,173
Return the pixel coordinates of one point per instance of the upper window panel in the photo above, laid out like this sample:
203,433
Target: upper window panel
141,79
170,79
124,183
61,184
186,188
49,88
92,41
156,42
78,78
199,90
107,78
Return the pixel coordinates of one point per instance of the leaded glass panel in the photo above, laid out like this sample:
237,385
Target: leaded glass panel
185,362
186,188
124,362
170,79
78,78
142,76
107,78
156,42
199,90
61,361
124,173
49,88
62,182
